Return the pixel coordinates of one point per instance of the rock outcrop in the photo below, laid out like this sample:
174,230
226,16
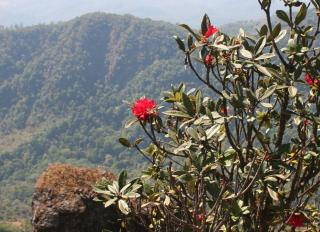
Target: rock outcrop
62,201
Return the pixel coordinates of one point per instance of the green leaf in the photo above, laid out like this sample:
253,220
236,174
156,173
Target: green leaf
273,194
105,192
270,179
166,201
185,178
138,141
292,91
242,33
205,23
135,187
269,91
275,73
283,16
132,195
198,101
276,30
263,70
251,96
226,95
130,122
245,53
124,188
263,30
125,142
265,56
180,43
212,131
123,206
220,46
181,107
301,14
316,3
193,133
114,188
176,113
239,91
172,135
122,180
188,104
281,35
266,104
110,202
260,45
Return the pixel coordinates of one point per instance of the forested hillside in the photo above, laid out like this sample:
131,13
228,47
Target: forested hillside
61,95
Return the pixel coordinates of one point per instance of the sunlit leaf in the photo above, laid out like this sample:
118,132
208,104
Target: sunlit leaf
245,53
110,202
273,194
123,206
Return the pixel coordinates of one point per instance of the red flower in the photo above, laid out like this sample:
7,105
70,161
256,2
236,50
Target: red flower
211,30
223,110
306,122
311,81
296,220
200,217
144,108
208,60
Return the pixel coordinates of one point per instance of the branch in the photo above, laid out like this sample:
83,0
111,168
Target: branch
199,77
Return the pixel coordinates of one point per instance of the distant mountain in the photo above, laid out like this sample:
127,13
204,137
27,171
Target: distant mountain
62,89
30,12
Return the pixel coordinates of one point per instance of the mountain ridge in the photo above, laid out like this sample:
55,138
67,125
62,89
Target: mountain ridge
61,93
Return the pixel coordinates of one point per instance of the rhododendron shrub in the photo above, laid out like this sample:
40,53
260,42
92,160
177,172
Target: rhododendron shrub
245,157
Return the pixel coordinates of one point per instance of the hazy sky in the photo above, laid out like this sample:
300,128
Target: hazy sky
176,11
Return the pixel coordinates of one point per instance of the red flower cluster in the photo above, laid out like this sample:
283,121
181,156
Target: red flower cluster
311,81
208,60
296,220
211,31
144,108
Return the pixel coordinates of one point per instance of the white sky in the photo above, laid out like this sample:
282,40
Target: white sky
28,12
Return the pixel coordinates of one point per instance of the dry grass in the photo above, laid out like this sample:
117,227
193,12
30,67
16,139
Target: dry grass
16,224
64,179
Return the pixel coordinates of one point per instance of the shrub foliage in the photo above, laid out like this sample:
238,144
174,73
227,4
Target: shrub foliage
244,155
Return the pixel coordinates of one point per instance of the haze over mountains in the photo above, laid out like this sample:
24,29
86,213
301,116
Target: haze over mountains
28,12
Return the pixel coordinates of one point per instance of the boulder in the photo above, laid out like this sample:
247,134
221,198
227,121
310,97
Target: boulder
63,201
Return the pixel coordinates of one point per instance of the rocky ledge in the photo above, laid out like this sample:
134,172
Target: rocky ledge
62,201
